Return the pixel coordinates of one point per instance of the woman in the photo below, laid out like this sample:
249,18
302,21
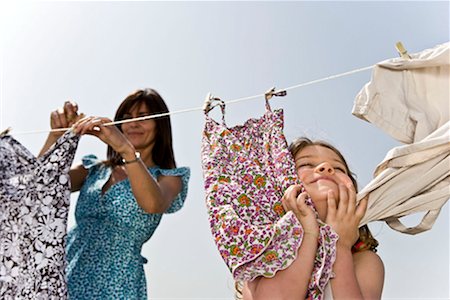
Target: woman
122,199
358,270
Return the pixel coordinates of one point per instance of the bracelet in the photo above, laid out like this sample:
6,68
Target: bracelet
137,158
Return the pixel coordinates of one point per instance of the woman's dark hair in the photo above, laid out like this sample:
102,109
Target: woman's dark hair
366,241
162,153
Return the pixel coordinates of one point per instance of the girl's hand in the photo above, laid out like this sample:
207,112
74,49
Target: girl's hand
344,217
110,135
294,200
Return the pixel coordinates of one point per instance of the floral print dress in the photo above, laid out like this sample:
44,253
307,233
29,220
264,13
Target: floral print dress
34,205
246,171
104,249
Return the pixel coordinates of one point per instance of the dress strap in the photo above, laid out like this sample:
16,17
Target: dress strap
270,93
211,102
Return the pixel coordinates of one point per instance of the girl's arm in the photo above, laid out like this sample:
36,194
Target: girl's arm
358,276
291,283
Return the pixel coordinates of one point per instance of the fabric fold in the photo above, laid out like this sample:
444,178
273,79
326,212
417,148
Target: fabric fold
409,100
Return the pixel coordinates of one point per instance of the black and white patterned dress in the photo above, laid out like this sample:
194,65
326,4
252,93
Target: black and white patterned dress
34,204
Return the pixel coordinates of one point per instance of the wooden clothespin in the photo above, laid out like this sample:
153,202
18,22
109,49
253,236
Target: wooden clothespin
208,104
402,51
5,132
270,93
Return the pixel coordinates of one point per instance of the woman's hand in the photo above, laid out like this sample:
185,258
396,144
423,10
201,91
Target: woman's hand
293,199
64,117
110,134
344,215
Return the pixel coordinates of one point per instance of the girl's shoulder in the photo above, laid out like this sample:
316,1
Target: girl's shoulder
369,270
368,259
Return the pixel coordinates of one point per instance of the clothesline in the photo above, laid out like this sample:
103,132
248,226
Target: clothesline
201,108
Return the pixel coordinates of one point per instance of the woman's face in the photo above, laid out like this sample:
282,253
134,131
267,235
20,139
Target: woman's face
320,169
142,133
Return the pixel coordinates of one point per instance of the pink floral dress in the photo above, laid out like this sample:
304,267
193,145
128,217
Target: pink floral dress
246,171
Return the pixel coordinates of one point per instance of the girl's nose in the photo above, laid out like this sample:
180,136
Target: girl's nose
325,168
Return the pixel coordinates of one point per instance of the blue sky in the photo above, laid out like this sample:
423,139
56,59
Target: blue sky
95,53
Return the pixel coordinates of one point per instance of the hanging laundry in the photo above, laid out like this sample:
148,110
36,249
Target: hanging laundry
34,204
246,171
409,99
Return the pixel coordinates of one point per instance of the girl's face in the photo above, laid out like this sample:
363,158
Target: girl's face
320,169
142,133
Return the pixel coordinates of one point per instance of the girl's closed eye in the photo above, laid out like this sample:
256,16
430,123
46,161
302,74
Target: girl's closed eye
341,169
305,165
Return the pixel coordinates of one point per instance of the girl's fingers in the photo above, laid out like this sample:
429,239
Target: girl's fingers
331,205
283,203
301,204
361,208
290,196
343,200
351,199
293,191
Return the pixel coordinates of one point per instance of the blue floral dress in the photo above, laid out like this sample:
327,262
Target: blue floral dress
104,249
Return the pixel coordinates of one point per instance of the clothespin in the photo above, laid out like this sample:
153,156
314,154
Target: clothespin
208,106
5,132
270,93
402,51
207,103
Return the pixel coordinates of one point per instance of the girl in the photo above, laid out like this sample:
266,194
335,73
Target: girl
358,270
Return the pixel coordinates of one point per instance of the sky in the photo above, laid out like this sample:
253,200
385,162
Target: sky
96,53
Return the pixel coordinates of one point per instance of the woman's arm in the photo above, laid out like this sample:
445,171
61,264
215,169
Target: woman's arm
151,195
291,283
63,118
77,176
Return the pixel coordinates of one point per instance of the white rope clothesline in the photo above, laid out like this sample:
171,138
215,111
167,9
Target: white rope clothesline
202,108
